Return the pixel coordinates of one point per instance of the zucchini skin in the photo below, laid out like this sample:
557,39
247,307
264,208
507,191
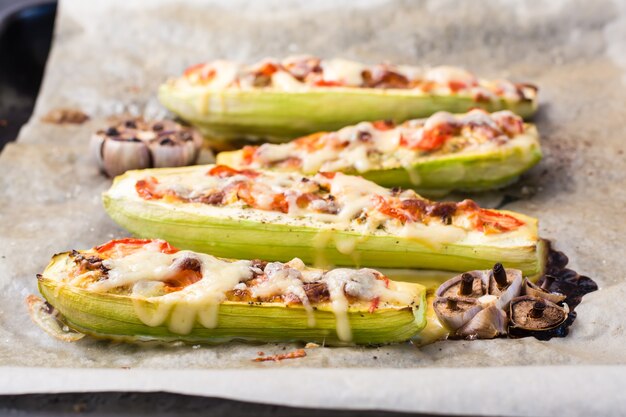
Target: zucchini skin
243,238
114,316
440,175
278,116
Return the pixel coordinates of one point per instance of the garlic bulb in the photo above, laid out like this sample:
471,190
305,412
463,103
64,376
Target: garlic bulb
474,305
138,144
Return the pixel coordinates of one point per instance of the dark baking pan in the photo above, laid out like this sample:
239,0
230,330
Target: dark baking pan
25,35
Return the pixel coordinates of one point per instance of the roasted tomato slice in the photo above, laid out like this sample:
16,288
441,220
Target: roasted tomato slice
129,244
223,171
374,304
403,210
383,124
329,175
182,279
146,188
490,221
248,153
193,69
279,203
311,143
434,138
456,85
324,83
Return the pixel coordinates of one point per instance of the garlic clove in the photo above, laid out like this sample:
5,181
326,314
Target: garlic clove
118,156
459,286
500,278
513,290
454,312
536,291
167,153
536,314
490,322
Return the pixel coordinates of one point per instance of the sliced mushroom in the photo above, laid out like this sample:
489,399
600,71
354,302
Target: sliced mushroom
469,284
454,312
138,144
536,314
490,322
536,291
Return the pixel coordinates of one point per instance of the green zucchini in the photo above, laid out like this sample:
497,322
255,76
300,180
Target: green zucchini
208,314
271,101
480,152
229,227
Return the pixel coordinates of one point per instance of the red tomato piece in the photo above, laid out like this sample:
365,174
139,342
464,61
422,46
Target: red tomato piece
324,83
312,142
434,138
134,243
192,69
248,153
494,222
374,304
223,171
383,124
456,85
146,189
329,175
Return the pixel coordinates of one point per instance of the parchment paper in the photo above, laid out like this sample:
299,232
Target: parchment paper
109,57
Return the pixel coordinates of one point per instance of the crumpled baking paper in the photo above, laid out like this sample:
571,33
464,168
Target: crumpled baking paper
110,56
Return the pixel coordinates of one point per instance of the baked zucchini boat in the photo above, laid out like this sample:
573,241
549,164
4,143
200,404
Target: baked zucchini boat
280,100
470,152
141,290
325,219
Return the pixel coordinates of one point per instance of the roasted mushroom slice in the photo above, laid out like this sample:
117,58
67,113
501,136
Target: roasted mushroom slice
535,290
535,314
138,144
454,312
469,284
490,322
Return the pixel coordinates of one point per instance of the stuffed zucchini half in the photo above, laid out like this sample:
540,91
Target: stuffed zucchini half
471,152
325,219
280,100
136,289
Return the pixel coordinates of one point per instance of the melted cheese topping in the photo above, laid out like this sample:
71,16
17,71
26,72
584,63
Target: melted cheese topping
145,272
364,147
347,203
299,73
343,71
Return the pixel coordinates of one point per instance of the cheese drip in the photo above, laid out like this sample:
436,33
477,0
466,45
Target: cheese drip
361,284
146,271
284,279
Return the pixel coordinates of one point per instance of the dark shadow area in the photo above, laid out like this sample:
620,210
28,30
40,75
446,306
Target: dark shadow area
160,404
25,38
